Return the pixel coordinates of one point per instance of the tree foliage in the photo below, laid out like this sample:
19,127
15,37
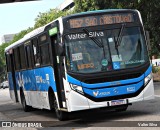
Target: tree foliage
46,17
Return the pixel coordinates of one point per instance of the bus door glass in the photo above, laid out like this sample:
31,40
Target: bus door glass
57,60
11,75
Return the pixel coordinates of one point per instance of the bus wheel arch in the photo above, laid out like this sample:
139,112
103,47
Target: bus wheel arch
61,115
26,108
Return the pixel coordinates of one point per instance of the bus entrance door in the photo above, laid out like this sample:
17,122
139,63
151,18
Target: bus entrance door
58,72
11,76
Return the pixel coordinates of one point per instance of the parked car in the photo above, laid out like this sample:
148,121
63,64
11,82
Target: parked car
4,84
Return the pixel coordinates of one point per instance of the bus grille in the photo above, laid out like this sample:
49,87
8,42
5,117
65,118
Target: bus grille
111,78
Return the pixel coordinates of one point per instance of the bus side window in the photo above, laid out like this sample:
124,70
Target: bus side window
45,58
44,49
36,52
8,60
28,56
22,57
16,58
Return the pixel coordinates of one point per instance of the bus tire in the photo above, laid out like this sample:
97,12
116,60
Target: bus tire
26,108
61,115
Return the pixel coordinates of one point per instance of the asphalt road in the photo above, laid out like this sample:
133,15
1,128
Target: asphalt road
139,114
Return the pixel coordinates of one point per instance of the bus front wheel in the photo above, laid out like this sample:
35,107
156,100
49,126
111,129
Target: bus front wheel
61,115
26,108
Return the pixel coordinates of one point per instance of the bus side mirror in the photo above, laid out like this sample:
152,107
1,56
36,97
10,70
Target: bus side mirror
148,40
61,49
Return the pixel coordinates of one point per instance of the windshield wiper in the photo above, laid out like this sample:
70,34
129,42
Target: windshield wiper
116,46
96,40
119,38
93,39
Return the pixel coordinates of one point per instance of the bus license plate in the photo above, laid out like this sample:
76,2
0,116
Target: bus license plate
118,102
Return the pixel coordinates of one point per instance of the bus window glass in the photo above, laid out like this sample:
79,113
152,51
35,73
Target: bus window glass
44,49
16,59
36,52
8,59
42,39
28,56
22,57
84,55
131,51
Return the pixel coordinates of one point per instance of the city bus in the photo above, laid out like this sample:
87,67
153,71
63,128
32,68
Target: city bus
89,60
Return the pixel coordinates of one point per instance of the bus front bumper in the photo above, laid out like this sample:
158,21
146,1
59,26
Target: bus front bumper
76,101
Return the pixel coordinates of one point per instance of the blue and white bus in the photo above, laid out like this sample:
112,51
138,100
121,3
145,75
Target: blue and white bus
82,61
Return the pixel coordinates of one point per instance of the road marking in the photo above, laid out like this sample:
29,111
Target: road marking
157,95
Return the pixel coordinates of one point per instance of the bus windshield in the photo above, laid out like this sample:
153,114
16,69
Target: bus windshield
85,56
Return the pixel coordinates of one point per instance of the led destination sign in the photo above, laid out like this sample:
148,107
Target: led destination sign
100,20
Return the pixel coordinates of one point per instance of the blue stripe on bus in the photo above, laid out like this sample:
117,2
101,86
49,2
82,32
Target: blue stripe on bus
39,79
73,80
114,91
10,81
149,70
137,83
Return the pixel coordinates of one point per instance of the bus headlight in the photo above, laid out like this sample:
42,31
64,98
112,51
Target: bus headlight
76,88
147,79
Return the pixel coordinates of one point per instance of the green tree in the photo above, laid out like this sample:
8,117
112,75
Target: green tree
21,34
2,61
46,17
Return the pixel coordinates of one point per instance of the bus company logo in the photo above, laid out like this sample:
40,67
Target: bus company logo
95,93
104,93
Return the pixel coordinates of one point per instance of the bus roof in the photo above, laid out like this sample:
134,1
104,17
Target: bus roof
41,29
28,36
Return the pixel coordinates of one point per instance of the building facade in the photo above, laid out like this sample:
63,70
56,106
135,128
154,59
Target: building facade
6,38
67,4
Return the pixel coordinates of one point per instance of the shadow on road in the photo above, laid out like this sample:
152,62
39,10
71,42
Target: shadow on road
87,118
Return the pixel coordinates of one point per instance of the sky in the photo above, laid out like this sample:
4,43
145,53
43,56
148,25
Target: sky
18,16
